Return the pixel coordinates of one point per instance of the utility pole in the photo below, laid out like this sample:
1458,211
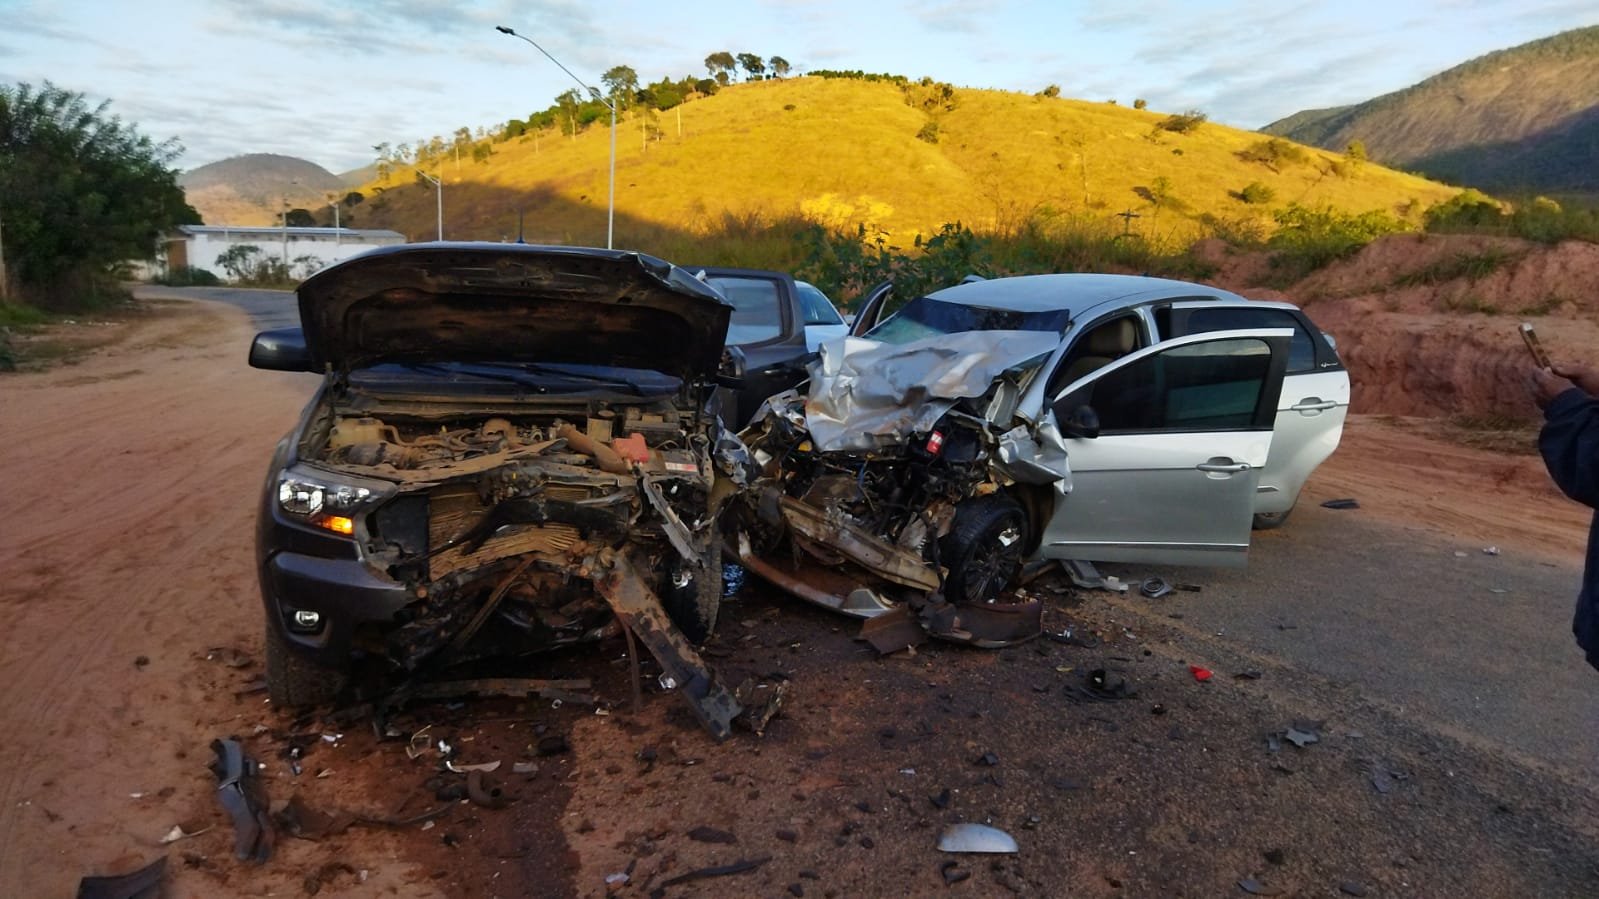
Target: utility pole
285,233
438,184
1127,217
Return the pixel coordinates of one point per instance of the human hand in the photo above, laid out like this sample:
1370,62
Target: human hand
1546,385
1581,376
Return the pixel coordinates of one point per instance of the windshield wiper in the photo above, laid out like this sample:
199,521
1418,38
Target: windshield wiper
529,374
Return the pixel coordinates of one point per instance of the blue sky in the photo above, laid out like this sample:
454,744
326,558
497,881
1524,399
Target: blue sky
328,80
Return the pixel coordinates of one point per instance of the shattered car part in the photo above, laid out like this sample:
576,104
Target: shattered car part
739,867
243,798
1154,587
968,837
144,883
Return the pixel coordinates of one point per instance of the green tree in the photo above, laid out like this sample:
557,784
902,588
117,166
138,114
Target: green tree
779,66
80,190
299,218
753,65
622,82
1051,92
1356,152
1140,103
719,64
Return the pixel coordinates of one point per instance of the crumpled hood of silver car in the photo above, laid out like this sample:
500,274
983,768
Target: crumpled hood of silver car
866,394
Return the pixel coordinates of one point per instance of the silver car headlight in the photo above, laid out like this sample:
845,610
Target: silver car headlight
329,501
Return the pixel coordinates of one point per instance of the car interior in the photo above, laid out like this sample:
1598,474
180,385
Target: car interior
1103,344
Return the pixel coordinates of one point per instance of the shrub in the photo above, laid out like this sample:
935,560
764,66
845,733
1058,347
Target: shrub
928,133
1468,210
1274,153
1182,123
189,276
1140,103
1309,238
1255,193
1051,92
1471,266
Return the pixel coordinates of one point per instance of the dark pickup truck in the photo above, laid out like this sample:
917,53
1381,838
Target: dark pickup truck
777,323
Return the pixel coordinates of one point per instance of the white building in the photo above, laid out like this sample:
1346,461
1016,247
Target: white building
199,246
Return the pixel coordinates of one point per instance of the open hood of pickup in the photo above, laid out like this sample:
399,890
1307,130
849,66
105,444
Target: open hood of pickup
492,302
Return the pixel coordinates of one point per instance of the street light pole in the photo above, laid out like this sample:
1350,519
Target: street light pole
610,214
438,184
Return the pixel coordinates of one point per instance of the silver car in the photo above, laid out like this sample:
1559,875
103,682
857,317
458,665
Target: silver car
1072,416
1113,315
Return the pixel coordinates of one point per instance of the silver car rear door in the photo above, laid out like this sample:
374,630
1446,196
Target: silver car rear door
1185,427
1314,402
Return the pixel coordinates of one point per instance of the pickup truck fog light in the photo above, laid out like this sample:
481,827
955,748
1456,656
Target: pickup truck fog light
306,620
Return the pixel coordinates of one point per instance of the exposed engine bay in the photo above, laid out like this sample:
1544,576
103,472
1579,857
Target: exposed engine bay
527,531
921,535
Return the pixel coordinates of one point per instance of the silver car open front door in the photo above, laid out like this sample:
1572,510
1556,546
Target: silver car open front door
1184,428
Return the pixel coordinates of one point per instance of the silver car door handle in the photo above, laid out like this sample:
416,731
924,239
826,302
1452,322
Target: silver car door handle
1313,404
1223,465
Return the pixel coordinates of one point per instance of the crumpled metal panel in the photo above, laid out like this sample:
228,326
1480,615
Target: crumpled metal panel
1036,456
866,394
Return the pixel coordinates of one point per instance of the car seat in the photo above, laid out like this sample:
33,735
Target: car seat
1102,346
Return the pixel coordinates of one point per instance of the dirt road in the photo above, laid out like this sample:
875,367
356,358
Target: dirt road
130,481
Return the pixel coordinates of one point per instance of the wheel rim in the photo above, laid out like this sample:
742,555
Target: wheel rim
994,562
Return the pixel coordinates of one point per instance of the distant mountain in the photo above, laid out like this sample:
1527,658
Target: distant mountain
1519,120
356,177
251,189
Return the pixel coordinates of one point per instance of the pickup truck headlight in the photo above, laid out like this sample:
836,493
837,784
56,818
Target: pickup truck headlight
326,500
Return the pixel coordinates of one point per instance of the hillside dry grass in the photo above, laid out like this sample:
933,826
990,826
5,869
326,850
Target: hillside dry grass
844,153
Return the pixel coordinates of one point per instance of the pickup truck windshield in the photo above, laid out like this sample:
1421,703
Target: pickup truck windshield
926,317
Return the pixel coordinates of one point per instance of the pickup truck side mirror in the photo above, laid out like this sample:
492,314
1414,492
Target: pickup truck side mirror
733,368
1083,422
281,350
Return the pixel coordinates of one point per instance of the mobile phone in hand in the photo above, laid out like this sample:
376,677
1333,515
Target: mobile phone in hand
1540,358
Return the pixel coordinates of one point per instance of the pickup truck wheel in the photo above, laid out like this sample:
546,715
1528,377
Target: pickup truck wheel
984,548
294,681
692,597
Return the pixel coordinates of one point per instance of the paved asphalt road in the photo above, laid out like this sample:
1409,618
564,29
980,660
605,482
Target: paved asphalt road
1396,616
1475,646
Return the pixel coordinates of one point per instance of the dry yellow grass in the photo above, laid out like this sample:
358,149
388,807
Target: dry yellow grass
845,152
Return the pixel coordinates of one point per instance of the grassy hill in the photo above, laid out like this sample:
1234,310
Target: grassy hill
844,152
1524,119
251,189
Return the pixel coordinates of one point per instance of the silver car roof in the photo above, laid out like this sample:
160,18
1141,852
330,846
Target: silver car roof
1076,292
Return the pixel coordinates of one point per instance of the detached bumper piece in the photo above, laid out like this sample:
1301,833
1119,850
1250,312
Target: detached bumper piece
984,625
244,799
618,580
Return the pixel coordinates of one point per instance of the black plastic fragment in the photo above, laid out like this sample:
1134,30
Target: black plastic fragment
144,883
243,798
741,866
1341,504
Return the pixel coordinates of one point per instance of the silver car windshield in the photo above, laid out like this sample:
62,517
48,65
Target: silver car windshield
926,317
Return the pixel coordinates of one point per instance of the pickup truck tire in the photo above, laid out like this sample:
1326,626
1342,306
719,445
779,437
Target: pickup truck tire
294,681
693,606
984,548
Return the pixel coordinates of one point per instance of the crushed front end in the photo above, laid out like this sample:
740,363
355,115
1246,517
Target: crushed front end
886,494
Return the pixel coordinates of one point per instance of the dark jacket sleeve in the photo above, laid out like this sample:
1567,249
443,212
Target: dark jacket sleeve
1569,443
